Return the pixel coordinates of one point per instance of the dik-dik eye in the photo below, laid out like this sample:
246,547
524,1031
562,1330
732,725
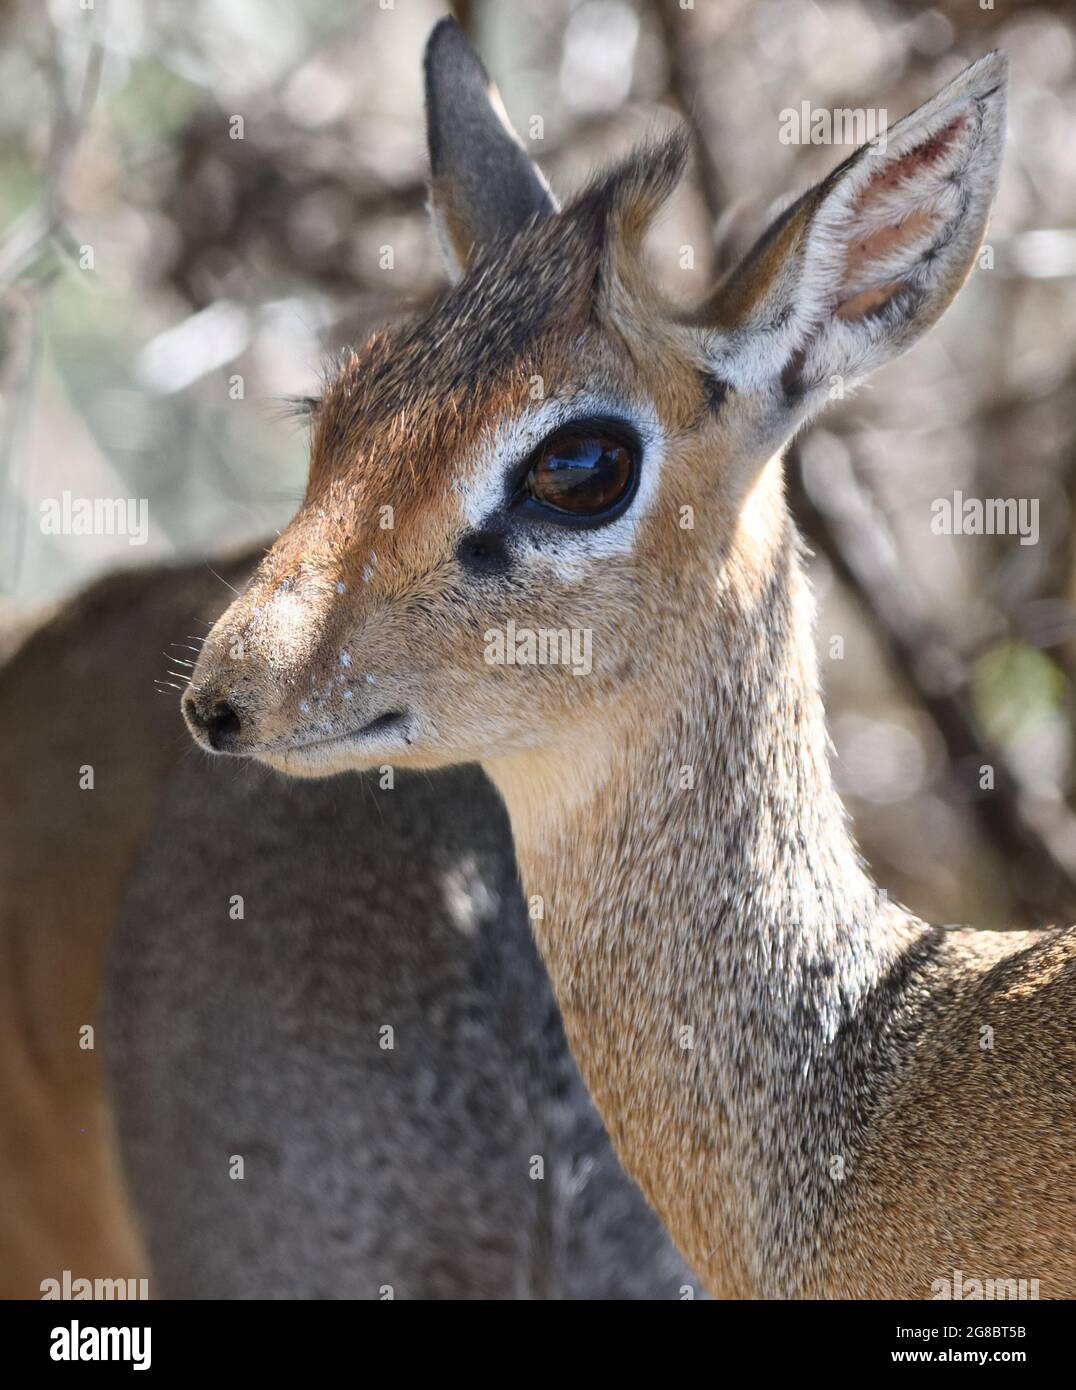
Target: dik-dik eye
584,474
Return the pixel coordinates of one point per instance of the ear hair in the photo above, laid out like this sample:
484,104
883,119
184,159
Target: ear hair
865,262
632,192
622,202
484,185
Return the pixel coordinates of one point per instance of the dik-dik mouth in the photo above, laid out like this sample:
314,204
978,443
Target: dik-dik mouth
390,729
220,728
394,721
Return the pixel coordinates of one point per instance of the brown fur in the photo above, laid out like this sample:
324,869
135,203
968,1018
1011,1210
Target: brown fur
65,857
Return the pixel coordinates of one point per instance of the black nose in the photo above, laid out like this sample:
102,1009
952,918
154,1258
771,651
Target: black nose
218,723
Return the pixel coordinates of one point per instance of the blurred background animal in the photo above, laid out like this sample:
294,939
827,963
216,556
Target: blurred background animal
454,1155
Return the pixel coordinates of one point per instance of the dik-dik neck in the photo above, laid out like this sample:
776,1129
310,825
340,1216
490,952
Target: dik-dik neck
712,938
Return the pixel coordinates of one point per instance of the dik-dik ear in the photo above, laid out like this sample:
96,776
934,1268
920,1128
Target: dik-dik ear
856,270
484,185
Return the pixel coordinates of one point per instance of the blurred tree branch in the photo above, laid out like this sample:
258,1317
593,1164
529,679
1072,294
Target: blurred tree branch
23,282
1037,838
45,220
673,23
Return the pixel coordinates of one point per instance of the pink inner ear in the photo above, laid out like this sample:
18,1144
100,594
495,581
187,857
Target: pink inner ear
867,302
883,241
908,165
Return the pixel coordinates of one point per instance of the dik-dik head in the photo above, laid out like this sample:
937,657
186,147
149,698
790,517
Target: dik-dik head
520,502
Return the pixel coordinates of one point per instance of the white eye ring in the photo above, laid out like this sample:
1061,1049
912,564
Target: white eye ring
485,484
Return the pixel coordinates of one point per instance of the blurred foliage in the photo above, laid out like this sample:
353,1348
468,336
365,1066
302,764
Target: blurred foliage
1015,689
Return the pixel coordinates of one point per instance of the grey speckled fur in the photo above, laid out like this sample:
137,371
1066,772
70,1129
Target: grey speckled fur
260,1037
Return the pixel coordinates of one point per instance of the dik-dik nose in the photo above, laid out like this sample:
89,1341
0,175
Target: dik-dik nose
214,722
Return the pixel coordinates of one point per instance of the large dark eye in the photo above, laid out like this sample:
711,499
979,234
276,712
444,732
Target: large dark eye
582,472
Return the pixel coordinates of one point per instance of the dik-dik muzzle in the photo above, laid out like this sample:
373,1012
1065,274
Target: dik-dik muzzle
277,673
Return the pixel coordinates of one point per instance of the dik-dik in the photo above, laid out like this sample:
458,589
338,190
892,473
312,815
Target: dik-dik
788,1064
